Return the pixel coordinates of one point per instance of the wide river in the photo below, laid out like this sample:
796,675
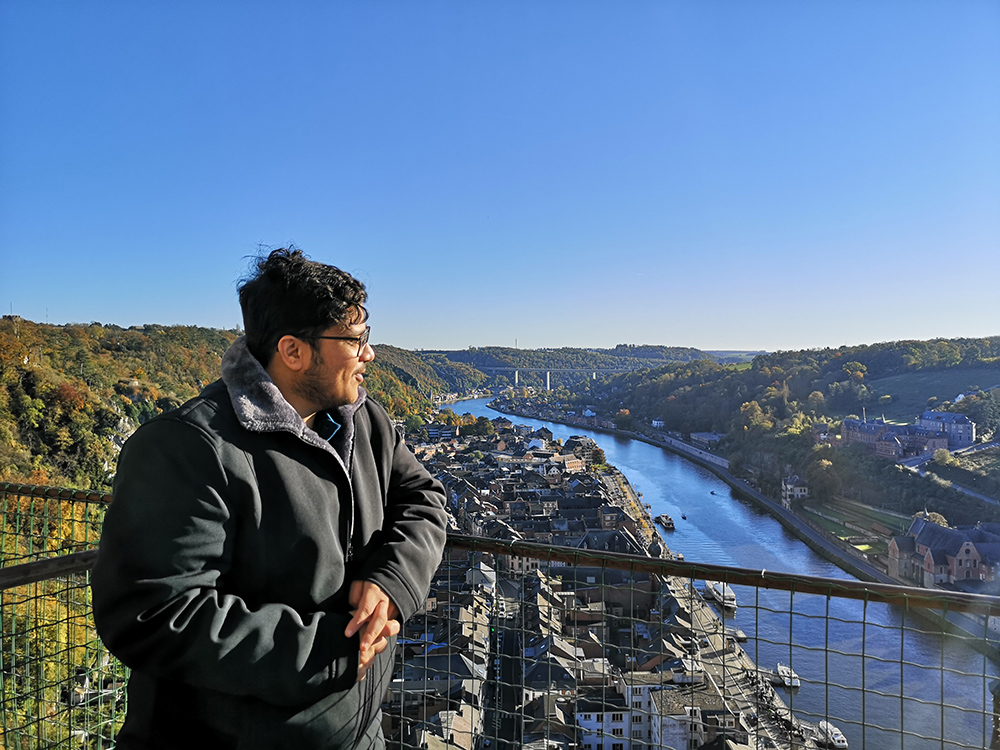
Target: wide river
906,673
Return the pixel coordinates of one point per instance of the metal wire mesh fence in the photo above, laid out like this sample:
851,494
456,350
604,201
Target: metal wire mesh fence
60,687
529,645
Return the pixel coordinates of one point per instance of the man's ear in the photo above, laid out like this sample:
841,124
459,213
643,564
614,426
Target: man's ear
294,353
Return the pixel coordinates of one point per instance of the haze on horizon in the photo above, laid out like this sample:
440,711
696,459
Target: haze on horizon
727,176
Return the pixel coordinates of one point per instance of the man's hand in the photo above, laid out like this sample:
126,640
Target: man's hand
373,615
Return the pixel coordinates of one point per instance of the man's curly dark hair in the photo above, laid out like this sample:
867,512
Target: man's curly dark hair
288,294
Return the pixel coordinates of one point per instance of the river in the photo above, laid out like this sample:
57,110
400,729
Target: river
907,673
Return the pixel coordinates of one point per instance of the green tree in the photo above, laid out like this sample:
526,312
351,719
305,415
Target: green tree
855,370
943,457
823,479
817,402
623,419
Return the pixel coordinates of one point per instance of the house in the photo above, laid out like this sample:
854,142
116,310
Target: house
793,489
961,431
544,433
931,555
549,674
679,717
637,688
547,724
892,441
438,431
580,446
605,719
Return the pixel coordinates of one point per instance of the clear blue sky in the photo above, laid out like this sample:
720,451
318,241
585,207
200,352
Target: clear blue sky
725,175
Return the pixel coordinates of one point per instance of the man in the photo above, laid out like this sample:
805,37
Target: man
268,537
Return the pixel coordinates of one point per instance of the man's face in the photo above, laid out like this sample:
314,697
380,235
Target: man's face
336,370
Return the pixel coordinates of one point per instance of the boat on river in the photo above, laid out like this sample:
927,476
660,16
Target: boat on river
665,521
721,592
830,736
737,634
788,677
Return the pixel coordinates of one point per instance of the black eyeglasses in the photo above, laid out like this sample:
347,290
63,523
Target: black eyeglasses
362,339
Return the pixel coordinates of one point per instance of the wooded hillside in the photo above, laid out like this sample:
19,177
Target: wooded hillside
767,412
71,394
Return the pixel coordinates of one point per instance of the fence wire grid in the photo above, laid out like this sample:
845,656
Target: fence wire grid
526,645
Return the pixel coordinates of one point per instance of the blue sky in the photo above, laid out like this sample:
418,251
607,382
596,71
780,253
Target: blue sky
725,175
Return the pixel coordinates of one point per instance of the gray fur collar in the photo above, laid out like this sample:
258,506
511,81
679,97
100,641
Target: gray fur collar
260,407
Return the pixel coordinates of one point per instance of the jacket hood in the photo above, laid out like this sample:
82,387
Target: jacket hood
260,406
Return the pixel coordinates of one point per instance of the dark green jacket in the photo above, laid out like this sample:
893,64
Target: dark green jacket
226,558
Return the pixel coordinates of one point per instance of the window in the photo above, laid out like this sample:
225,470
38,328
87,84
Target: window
617,746
586,717
618,732
637,733
637,705
617,717
637,718
637,691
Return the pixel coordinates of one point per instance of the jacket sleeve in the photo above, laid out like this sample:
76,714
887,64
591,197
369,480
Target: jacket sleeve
159,599
413,532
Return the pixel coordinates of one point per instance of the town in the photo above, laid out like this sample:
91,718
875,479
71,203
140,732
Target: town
516,651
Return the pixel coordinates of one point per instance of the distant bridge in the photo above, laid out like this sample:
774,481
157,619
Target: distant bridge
549,370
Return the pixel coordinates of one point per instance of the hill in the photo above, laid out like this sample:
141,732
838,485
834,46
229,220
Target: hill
497,363
913,392
767,410
71,394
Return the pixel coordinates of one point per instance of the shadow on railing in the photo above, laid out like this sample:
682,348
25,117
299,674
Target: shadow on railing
530,645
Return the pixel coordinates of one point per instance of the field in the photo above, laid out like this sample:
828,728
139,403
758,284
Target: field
979,471
845,519
910,391
986,461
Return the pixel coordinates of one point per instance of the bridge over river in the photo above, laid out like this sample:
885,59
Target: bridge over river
592,371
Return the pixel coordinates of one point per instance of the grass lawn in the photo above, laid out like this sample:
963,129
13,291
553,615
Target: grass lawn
863,514
987,460
910,391
834,528
878,547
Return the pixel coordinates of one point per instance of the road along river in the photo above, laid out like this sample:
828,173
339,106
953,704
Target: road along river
926,667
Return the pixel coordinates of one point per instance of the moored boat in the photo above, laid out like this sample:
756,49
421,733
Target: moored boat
721,592
831,736
665,521
788,677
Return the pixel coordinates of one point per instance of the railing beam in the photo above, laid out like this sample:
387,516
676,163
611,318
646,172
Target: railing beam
905,596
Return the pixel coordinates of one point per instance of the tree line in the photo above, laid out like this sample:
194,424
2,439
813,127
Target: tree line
768,411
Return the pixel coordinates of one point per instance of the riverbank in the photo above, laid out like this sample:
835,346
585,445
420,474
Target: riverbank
829,547
817,540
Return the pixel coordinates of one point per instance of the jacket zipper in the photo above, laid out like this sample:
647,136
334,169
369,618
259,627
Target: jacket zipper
349,554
